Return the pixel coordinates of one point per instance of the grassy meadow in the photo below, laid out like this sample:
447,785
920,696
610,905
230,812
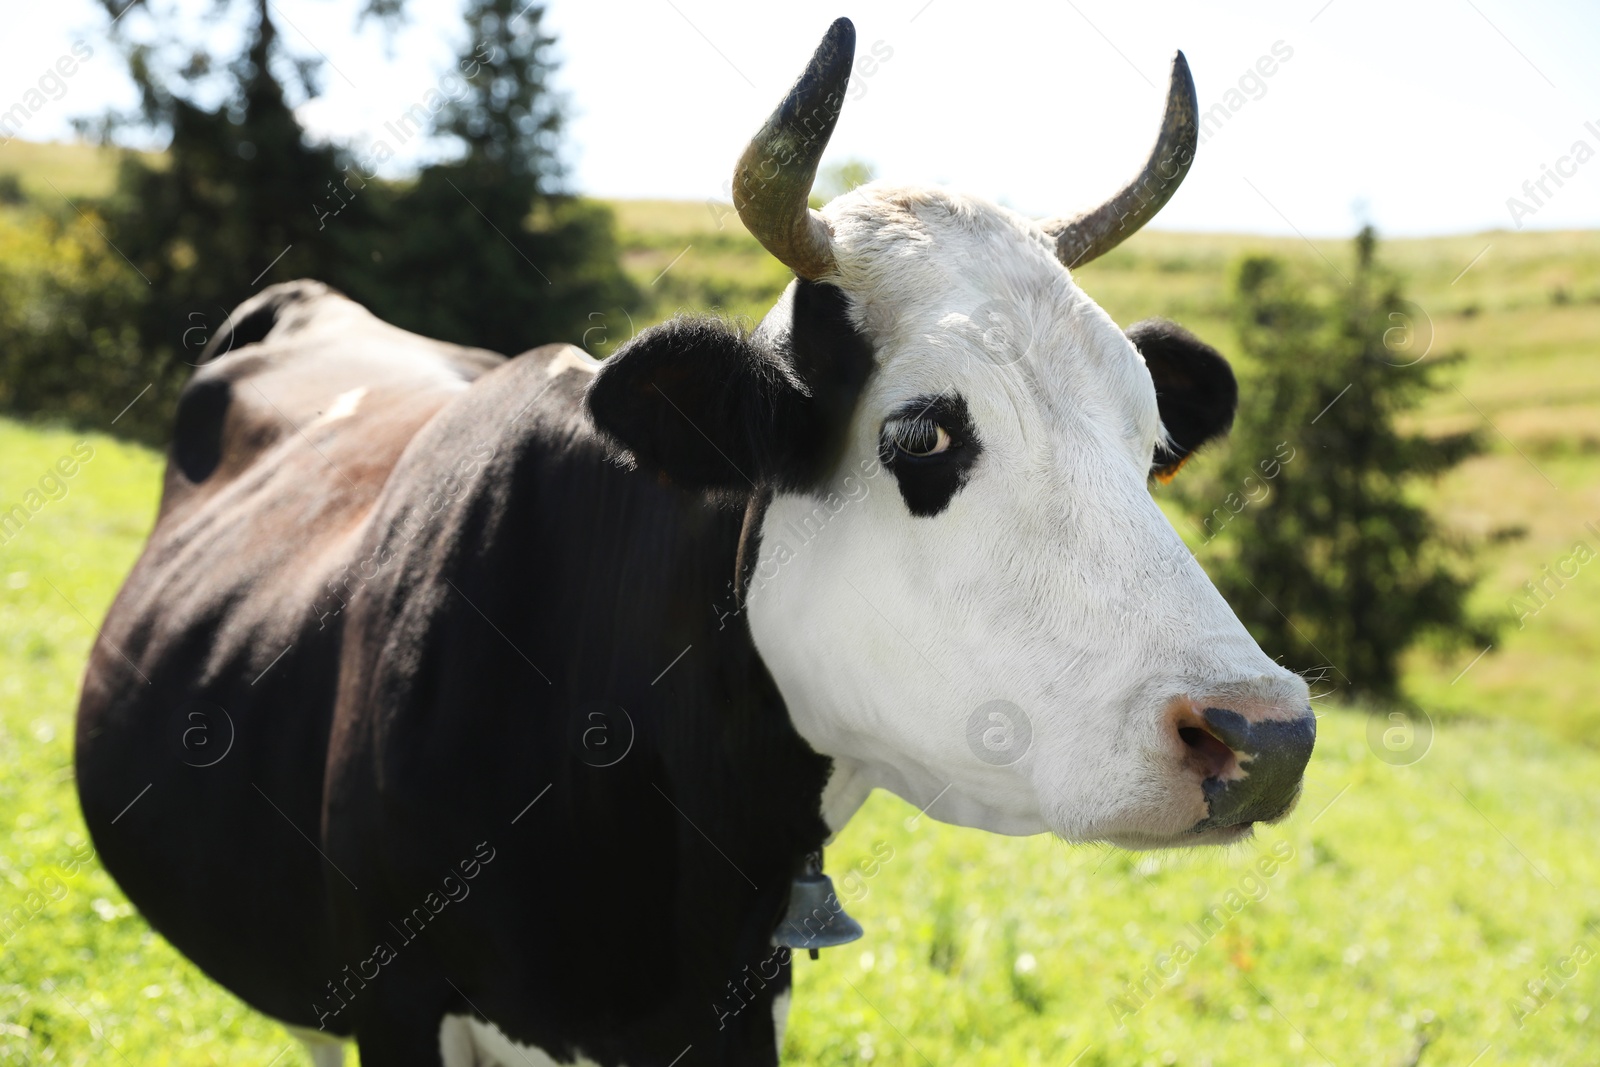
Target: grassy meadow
48,170
1396,919
1440,911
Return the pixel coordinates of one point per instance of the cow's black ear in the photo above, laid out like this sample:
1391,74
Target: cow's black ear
1195,390
680,397
700,403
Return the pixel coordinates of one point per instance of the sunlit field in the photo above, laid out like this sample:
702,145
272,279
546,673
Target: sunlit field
1434,900
1403,906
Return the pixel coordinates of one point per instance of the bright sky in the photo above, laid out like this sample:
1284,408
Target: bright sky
1423,116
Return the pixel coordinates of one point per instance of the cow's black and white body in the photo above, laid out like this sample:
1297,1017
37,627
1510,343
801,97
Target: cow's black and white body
485,709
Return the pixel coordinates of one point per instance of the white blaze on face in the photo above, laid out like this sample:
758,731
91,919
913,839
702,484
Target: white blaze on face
1013,656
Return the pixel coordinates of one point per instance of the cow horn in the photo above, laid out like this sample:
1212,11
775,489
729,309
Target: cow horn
1092,234
772,183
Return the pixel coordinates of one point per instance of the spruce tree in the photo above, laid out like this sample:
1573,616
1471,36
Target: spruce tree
488,249
240,199
1310,522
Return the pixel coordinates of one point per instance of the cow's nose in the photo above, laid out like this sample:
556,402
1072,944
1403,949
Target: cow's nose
1271,757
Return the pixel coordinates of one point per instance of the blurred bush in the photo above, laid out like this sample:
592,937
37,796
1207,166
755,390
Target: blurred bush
69,344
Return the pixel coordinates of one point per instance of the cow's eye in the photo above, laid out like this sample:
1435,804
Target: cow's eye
917,437
930,445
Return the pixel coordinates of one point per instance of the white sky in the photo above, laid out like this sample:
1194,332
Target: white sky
1422,115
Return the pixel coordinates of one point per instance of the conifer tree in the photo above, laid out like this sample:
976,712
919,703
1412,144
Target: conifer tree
488,249
240,199
1316,536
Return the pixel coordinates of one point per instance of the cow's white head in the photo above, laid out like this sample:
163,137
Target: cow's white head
954,567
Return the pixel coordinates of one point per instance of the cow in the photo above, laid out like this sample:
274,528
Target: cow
492,710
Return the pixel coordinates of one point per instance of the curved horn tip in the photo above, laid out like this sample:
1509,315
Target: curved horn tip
1090,234
772,180
828,71
1182,83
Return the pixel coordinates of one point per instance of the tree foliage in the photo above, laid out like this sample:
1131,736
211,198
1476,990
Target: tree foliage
486,248
230,207
68,346
1321,547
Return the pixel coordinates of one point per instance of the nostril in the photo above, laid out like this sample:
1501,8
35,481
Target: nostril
1214,758
1233,729
1269,756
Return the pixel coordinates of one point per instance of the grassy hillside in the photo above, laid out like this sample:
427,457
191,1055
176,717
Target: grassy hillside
74,170
1407,911
1396,919
1527,316
83,980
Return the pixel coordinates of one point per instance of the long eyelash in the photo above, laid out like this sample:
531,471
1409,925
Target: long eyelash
914,435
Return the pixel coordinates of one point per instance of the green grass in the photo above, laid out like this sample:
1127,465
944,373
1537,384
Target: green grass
83,978
50,170
1417,902
1413,906
695,257
1403,915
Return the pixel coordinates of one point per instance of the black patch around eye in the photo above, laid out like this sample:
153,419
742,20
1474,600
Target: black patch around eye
928,483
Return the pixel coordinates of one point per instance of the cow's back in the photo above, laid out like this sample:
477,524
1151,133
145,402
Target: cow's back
204,719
